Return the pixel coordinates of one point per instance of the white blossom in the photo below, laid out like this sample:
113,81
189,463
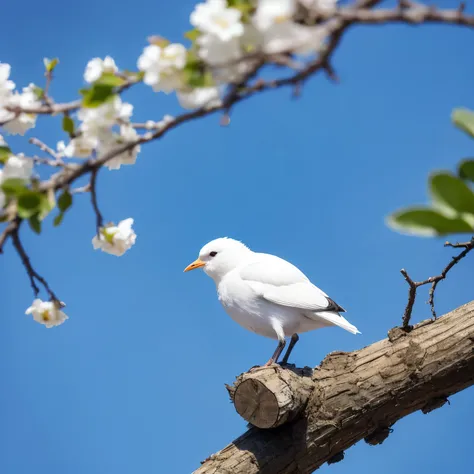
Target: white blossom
115,240
224,56
23,122
290,36
96,67
150,125
81,146
322,5
271,12
216,52
199,97
105,116
60,148
215,18
6,85
167,119
18,167
47,313
162,66
127,135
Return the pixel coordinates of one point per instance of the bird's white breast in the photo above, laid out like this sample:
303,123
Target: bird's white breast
252,312
244,306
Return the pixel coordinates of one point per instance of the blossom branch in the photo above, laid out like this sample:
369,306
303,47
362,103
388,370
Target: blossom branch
65,108
433,281
332,24
32,273
43,147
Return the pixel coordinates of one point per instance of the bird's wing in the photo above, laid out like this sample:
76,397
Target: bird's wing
280,282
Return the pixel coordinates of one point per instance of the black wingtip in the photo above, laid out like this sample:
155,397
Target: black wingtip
333,306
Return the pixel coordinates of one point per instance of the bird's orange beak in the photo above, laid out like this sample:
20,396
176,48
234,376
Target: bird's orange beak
196,264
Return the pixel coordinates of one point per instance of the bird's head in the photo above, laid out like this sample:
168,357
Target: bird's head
219,257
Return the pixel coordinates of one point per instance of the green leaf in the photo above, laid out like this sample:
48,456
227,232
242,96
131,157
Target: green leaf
110,79
50,64
5,153
466,170
65,201
193,34
68,125
97,95
464,119
195,76
38,92
426,222
29,203
13,186
35,223
244,6
48,203
58,219
451,193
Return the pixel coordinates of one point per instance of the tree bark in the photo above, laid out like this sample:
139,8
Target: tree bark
268,397
357,395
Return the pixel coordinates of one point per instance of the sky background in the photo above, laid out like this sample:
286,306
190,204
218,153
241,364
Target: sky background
134,381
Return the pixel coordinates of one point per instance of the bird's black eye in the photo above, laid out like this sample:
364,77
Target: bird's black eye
213,254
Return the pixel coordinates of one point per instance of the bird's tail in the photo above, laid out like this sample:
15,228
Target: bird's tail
338,320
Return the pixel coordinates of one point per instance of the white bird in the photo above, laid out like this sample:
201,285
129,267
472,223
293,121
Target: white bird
266,294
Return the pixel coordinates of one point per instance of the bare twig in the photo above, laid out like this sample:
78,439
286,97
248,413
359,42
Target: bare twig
81,189
411,298
43,147
458,244
93,191
46,161
435,280
414,285
49,77
32,273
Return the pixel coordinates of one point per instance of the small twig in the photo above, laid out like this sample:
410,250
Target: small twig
49,77
414,285
435,280
331,73
81,189
32,273
46,161
93,191
43,147
411,299
285,60
458,244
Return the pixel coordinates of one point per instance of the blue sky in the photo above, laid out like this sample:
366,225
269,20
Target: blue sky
134,381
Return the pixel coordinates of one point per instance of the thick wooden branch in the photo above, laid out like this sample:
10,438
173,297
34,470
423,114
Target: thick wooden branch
268,397
355,396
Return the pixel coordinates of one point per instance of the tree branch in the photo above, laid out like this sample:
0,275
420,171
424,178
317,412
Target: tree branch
32,273
95,206
359,395
414,285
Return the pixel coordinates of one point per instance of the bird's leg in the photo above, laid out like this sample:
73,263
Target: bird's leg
277,353
294,339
